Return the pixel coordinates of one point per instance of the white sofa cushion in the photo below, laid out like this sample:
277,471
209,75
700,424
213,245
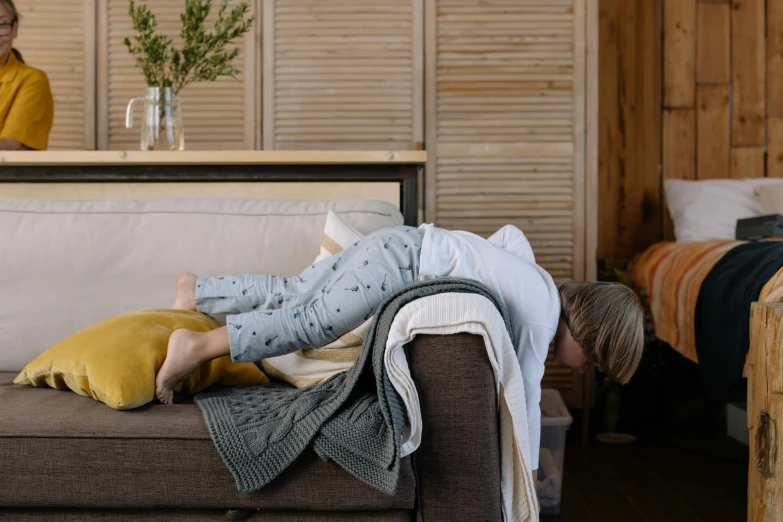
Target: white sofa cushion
65,265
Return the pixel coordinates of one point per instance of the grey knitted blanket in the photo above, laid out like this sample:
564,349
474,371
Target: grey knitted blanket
354,418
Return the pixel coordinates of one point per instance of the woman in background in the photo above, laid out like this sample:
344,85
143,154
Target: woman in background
26,105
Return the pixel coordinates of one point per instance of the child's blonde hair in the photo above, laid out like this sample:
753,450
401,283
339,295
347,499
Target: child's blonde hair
607,320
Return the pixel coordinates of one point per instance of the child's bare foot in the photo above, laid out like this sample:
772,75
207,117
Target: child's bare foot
186,292
183,356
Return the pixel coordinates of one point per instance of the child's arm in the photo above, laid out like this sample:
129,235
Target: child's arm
532,352
512,239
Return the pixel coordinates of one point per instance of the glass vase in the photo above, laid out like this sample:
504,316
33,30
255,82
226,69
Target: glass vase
161,127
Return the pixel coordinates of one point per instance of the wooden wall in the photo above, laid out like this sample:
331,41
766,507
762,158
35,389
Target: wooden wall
689,89
629,108
59,37
714,89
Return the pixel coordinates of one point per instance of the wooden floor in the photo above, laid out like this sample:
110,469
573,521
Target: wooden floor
655,481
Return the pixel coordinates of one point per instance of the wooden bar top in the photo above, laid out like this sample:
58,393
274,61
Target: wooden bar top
239,157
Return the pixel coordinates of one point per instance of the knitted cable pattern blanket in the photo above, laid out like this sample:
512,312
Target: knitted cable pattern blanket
355,418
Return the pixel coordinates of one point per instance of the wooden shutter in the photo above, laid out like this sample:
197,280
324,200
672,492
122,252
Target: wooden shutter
216,115
343,74
505,94
59,38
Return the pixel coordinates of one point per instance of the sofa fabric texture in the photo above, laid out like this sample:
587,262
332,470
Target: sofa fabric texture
459,453
59,449
121,255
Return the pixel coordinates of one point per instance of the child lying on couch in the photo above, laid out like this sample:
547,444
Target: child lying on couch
591,323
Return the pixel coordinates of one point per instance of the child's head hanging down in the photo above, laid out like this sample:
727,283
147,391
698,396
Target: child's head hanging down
601,324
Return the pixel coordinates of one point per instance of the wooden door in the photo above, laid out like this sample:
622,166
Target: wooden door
506,97
343,74
59,38
217,115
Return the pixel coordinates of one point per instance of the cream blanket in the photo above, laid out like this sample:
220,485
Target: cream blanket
450,313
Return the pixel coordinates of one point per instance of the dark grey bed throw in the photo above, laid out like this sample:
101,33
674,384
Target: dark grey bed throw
354,418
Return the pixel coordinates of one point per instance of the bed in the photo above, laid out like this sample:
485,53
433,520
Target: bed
669,276
699,289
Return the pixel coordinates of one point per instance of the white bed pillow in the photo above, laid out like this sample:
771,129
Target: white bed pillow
771,197
709,209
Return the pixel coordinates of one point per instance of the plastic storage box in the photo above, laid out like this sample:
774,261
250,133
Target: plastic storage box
555,421
737,422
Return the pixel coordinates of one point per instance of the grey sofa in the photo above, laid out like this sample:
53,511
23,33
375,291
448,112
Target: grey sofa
64,457
68,458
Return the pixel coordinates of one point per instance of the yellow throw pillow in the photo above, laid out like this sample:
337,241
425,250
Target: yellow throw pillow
115,361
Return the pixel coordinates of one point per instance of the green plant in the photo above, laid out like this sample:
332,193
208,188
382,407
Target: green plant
204,55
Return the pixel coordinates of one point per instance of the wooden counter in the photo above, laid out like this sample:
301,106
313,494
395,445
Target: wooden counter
239,157
401,167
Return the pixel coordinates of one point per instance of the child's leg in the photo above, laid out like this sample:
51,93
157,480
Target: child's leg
326,301
186,351
186,292
248,293
356,281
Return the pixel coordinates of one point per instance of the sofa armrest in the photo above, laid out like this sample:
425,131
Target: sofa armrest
458,463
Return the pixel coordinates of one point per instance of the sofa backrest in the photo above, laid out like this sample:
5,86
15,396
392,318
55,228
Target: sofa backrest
67,264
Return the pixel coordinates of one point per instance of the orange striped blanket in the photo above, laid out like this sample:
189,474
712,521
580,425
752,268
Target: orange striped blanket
671,274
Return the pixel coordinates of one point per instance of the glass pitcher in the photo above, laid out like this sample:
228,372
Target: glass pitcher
161,127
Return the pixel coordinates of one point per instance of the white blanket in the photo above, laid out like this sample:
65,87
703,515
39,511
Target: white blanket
445,314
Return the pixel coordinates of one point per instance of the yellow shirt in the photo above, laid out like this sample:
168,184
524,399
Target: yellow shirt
26,105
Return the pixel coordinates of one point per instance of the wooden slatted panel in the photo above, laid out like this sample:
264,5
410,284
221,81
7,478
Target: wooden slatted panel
506,129
342,74
503,122
57,37
564,379
214,113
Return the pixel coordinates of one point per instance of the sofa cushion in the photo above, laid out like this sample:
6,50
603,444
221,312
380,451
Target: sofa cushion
75,263
58,449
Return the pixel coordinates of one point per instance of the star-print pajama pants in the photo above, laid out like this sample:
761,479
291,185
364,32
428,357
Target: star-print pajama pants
276,315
